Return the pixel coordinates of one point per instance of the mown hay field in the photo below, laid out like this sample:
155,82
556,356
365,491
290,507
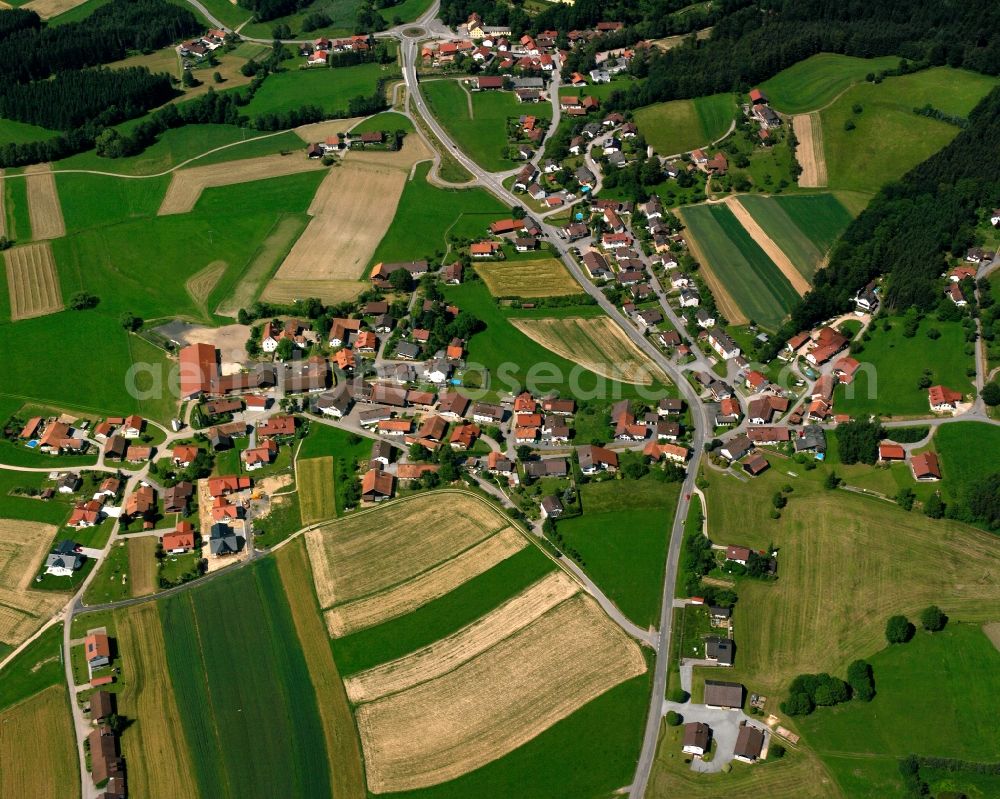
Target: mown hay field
546,277
497,701
425,587
37,747
43,203
200,285
369,553
450,652
680,125
143,572
186,185
33,281
314,477
47,9
339,733
595,343
239,674
23,546
147,696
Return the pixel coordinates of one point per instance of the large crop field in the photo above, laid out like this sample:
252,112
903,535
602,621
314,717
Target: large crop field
811,619
888,138
32,281
810,84
23,547
330,89
479,687
146,695
746,283
803,226
596,344
681,125
622,538
546,277
239,675
892,388
478,120
37,748
953,676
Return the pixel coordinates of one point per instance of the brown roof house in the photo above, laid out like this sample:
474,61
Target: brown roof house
697,738
377,485
728,695
749,743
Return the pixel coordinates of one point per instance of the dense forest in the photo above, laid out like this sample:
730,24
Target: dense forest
18,19
34,53
265,10
99,96
910,226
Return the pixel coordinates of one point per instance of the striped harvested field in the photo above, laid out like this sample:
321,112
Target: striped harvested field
497,701
37,748
447,654
426,587
314,477
374,550
33,281
43,203
23,546
546,277
142,565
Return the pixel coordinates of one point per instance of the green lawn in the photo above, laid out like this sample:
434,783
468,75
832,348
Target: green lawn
889,139
812,83
681,125
443,616
899,363
97,200
13,506
751,278
330,89
387,120
803,226
967,783
15,207
968,450
952,676
427,215
407,11
348,450
484,135
39,666
622,537
239,675
602,91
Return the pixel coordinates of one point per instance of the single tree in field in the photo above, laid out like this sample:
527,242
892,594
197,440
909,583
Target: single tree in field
933,619
898,630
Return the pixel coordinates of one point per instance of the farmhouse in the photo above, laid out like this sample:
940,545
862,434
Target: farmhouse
97,649
888,451
728,695
736,447
740,555
749,743
377,485
198,368
925,467
720,650
595,459
181,539
102,705
760,411
697,738
943,399
106,767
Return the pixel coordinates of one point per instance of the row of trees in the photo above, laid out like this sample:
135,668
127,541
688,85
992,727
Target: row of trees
30,52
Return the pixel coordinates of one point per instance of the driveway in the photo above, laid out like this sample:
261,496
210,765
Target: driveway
725,726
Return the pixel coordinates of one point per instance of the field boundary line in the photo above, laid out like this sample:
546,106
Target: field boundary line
768,245
723,298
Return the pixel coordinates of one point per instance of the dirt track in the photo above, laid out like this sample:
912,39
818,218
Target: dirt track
186,185
810,150
43,203
768,245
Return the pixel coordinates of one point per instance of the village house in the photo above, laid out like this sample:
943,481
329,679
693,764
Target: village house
179,540
720,650
925,467
595,459
377,485
697,738
749,743
64,560
723,695
943,399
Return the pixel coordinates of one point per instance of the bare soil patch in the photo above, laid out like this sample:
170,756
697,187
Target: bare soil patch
43,203
546,277
431,584
23,547
32,281
596,343
447,654
350,213
496,702
809,152
723,298
186,185
372,551
768,245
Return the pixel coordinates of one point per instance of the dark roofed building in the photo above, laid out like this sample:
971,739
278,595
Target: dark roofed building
727,695
721,650
102,705
697,738
749,743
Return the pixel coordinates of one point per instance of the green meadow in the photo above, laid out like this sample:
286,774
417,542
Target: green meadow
622,537
681,125
483,134
812,83
888,139
330,89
